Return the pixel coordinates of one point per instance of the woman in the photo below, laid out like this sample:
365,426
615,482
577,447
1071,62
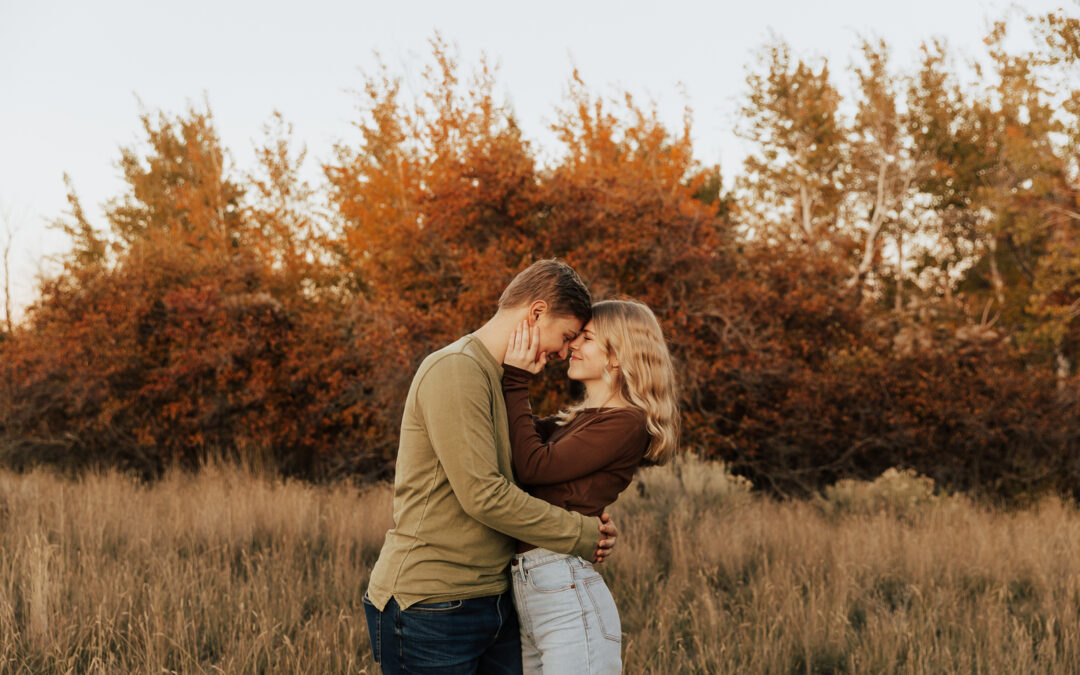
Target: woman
581,459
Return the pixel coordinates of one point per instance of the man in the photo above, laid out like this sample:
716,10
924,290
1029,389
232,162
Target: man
438,600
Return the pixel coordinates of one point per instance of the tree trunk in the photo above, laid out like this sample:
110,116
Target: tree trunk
1063,367
5,259
807,211
899,300
876,221
995,273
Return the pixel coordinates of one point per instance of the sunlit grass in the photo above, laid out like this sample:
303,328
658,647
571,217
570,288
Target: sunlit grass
219,572
232,571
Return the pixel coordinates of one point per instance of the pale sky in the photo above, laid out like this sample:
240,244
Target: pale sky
72,73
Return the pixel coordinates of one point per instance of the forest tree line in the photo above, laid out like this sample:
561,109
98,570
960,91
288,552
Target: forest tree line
893,280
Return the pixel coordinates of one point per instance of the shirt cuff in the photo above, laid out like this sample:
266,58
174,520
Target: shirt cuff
515,375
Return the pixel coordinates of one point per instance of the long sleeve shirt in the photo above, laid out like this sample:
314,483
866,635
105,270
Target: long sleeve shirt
581,466
457,511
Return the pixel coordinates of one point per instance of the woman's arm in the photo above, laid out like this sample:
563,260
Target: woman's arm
613,436
545,426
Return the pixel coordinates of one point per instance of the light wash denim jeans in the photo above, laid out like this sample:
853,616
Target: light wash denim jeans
569,622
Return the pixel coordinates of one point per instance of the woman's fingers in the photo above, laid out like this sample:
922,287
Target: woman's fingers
534,346
523,348
523,337
534,340
517,348
515,341
538,360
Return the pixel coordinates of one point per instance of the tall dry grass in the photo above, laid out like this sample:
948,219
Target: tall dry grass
223,571
229,571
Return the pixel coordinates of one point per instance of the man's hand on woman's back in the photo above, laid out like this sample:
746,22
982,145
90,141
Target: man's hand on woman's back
606,542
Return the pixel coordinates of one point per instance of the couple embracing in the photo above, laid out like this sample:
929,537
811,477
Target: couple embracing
500,516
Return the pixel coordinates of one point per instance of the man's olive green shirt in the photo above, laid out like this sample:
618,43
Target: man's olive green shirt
457,511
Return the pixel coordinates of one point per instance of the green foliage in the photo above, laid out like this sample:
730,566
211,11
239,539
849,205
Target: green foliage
791,117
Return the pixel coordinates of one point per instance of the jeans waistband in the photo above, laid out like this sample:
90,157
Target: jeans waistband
539,555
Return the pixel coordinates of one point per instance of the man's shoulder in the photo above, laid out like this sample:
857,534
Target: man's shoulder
459,358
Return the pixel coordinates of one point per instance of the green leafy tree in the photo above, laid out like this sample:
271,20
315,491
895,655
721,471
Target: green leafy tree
793,181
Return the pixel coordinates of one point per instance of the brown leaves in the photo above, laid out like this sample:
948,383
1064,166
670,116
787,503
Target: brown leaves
222,313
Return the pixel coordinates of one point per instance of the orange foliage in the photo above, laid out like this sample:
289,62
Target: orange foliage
223,314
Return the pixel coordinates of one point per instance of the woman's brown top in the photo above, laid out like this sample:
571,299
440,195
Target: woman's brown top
581,466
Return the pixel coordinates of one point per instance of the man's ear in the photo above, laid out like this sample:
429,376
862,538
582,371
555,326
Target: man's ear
537,308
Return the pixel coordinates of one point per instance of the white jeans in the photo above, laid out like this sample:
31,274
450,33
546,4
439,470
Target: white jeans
569,622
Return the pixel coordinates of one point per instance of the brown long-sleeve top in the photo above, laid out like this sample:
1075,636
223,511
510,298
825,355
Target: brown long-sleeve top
582,466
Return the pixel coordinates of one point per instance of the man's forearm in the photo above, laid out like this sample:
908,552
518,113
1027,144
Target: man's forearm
506,508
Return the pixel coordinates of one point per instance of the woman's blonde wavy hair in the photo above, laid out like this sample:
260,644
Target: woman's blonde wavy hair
628,331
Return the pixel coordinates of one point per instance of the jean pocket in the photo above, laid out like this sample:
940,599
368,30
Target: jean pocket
550,577
603,604
435,607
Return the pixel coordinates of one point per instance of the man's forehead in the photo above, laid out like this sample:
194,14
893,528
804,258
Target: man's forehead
573,325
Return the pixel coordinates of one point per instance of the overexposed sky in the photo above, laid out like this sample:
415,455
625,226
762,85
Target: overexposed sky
72,73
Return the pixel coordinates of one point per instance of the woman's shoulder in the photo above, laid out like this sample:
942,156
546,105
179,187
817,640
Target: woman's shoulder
625,411
629,416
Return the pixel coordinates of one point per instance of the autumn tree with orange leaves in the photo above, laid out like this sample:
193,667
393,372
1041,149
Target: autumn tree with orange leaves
896,288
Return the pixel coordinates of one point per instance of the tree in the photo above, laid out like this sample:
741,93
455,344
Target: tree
884,167
181,190
216,312
436,203
9,232
1055,297
794,180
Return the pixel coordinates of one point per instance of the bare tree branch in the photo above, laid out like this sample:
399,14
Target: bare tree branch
9,227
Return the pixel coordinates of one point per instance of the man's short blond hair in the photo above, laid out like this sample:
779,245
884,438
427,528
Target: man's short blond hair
554,282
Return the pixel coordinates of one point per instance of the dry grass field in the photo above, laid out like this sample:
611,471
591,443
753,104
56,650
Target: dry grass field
229,571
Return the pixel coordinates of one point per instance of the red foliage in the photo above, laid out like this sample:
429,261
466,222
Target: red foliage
220,315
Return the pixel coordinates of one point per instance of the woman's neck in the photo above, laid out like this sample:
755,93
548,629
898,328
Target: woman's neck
598,394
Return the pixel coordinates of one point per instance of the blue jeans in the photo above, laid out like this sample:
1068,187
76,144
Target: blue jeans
478,635
569,622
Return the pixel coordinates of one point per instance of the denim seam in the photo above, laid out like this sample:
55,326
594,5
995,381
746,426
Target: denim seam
524,619
589,583
499,613
585,621
378,639
398,637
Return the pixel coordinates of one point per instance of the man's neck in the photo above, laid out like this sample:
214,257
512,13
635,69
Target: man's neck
495,334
